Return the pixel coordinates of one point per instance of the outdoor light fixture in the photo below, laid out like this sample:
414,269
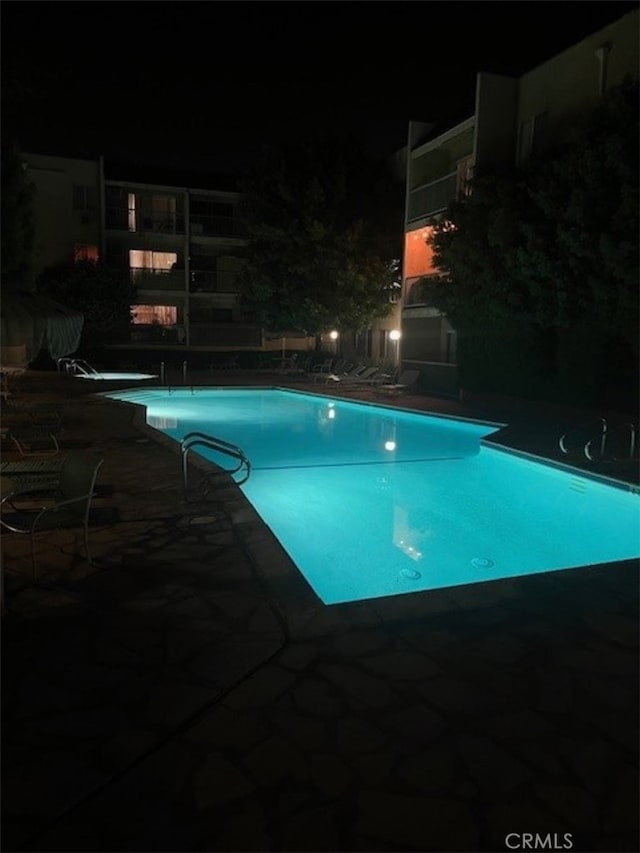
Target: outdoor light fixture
394,336
333,335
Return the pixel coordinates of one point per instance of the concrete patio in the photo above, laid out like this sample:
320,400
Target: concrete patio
189,692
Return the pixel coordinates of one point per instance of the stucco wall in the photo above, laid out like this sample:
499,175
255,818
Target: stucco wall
567,86
58,226
496,99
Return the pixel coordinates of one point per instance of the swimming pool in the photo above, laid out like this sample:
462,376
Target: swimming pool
371,501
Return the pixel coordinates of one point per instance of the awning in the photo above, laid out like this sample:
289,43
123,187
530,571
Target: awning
32,323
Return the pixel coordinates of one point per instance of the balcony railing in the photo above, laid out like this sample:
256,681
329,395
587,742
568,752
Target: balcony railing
200,225
201,281
203,225
209,281
150,279
432,198
140,222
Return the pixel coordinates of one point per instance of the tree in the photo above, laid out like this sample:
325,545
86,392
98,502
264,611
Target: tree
323,226
587,201
102,294
549,253
18,229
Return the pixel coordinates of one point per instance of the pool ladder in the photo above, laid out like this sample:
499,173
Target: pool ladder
201,439
76,366
599,439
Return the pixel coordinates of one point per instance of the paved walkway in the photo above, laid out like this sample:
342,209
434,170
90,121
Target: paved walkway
190,693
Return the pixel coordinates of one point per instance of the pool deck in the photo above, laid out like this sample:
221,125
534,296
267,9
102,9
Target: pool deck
189,692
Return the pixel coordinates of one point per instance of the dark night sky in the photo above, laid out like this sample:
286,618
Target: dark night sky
204,84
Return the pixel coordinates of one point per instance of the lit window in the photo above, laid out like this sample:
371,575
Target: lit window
142,262
152,213
148,315
82,252
131,206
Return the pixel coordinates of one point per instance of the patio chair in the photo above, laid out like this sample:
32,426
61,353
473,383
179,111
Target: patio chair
66,503
34,440
406,380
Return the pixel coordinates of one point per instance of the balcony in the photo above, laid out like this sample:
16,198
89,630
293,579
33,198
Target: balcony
211,281
432,198
157,279
139,222
205,225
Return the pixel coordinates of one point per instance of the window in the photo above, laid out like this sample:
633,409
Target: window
152,213
363,343
384,343
131,208
83,252
148,315
82,198
83,202
142,262
464,173
417,291
532,136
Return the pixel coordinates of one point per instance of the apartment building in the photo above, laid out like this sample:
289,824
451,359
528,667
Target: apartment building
181,247
513,118
67,208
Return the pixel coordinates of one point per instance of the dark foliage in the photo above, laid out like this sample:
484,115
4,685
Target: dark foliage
323,226
102,294
542,263
18,230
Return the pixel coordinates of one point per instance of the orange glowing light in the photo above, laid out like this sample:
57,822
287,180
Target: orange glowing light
418,256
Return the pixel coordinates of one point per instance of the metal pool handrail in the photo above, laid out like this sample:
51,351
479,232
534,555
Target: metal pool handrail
600,439
201,438
630,427
602,434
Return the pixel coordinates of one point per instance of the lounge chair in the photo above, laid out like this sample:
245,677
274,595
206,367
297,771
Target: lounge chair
34,440
364,377
291,365
66,503
321,369
33,470
352,371
406,380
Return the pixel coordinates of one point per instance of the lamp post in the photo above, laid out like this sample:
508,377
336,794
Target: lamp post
334,339
395,335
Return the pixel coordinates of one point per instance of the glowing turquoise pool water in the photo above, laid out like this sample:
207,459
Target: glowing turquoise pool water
370,501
